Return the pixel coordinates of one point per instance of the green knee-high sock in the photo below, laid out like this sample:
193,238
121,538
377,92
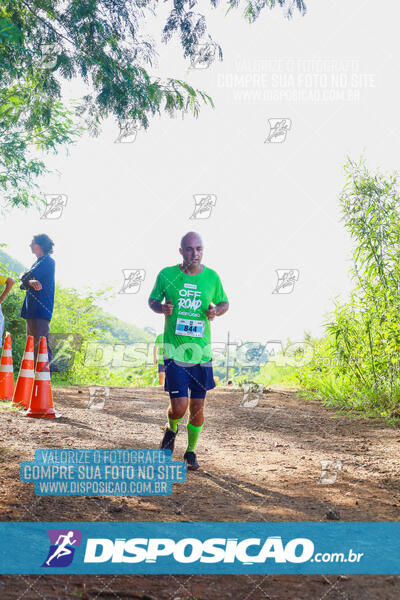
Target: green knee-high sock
193,436
173,424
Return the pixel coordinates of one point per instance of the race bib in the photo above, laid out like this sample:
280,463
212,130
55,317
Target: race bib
189,327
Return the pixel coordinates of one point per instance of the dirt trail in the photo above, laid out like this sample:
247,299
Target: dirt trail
260,463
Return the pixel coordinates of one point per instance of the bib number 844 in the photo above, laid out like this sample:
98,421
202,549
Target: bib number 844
189,327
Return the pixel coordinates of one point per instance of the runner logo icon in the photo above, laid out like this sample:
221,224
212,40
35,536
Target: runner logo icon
62,547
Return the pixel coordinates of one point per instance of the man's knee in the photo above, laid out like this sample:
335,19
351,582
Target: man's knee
197,402
179,406
196,406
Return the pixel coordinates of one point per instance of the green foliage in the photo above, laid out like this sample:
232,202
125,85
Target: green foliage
11,263
45,42
113,329
11,308
253,8
80,314
273,374
32,121
357,363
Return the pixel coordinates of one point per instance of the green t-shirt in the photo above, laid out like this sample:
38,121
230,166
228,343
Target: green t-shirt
159,344
187,334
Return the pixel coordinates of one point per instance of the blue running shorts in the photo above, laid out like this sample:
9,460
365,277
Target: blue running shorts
181,377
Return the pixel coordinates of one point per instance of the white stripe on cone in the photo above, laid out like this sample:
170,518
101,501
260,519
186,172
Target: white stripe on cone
29,356
27,373
42,358
43,376
7,352
6,368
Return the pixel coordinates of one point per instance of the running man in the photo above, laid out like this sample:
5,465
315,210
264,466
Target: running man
8,282
159,357
62,549
193,296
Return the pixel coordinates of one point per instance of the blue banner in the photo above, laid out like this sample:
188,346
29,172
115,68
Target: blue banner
103,472
201,548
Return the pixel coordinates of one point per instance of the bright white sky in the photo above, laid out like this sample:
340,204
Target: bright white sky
277,203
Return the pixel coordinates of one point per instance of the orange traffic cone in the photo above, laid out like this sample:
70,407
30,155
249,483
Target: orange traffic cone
6,371
41,404
26,377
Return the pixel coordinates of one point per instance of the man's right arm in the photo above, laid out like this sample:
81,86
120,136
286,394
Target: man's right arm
157,295
158,307
155,305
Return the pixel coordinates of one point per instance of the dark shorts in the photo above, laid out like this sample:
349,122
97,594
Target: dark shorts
181,377
38,328
161,368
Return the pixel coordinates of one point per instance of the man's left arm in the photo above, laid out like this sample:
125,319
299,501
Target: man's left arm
216,310
221,308
220,303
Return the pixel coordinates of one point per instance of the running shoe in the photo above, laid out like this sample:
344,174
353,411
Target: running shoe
191,461
168,441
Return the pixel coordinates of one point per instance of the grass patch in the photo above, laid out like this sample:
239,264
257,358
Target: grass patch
273,374
9,406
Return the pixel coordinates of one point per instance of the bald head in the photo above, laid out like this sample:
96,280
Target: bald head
191,238
191,250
